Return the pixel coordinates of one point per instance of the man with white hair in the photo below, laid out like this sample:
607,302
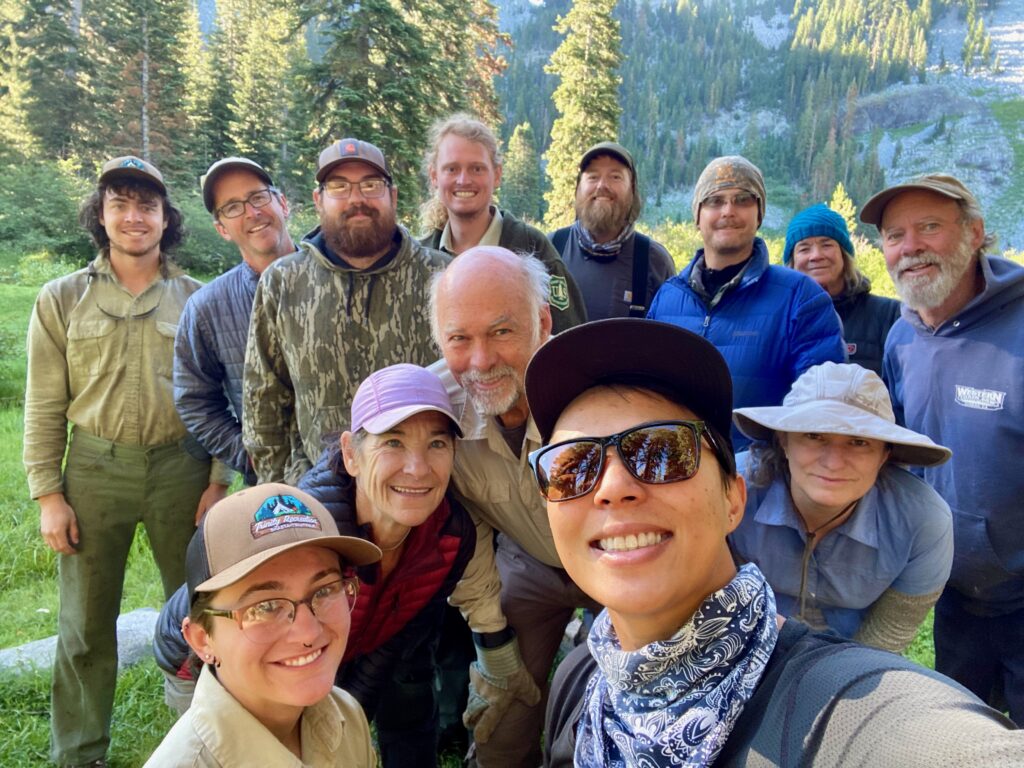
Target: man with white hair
489,314
954,363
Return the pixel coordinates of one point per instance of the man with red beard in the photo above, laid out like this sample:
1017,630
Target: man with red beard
617,269
954,363
351,301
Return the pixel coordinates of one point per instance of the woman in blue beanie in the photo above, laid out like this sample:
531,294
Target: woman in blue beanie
818,244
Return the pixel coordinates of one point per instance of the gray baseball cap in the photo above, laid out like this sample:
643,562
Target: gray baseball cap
940,183
209,179
130,166
348,150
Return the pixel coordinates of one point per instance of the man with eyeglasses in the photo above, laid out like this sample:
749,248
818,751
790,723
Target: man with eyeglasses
209,350
351,301
100,356
689,663
770,323
618,270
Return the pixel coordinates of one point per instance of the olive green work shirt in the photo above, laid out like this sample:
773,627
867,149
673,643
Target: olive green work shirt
102,359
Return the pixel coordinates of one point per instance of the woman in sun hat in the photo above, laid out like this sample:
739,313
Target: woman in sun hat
847,538
270,589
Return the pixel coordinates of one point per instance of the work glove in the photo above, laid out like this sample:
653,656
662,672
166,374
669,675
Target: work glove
496,679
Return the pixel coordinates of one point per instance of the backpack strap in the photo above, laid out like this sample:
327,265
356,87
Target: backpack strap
641,260
559,238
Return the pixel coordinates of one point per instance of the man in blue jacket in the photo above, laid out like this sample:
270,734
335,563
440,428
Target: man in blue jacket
954,363
770,323
209,350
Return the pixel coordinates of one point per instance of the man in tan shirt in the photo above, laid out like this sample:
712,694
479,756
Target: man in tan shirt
100,356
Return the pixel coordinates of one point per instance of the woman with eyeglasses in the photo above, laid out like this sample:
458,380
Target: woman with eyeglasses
270,587
386,480
848,539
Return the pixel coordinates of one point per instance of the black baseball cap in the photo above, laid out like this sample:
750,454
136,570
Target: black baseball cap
634,351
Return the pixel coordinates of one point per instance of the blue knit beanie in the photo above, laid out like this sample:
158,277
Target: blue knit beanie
817,221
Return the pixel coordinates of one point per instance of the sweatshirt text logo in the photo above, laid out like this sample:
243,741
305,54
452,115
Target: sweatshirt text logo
980,399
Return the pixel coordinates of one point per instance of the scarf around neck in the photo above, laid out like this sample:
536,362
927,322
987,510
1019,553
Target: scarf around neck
607,250
674,702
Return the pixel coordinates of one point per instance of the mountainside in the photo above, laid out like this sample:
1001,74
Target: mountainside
814,102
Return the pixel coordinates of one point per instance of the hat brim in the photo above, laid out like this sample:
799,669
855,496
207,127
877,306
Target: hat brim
382,422
834,417
632,349
132,173
873,209
356,551
209,180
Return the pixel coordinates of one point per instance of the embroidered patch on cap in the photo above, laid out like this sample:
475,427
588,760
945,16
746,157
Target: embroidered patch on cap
851,348
131,162
279,513
558,290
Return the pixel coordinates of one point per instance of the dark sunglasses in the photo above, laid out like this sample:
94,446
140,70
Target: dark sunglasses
658,452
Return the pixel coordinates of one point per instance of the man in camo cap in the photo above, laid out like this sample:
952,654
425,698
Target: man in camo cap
351,301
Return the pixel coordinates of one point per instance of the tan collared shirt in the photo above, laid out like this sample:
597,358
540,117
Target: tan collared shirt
218,732
491,237
500,493
102,359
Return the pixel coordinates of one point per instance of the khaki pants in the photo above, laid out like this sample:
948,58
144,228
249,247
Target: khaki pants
112,488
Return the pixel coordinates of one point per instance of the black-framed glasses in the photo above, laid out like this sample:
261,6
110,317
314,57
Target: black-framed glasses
258,199
739,200
341,189
656,452
267,620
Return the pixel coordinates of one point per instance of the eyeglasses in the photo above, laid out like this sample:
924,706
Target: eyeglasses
340,189
236,208
656,453
268,620
741,200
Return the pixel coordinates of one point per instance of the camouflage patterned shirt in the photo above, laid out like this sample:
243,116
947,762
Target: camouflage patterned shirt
318,329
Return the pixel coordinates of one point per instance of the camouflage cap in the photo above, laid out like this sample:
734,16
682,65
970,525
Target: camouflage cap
209,179
130,166
725,173
348,150
940,183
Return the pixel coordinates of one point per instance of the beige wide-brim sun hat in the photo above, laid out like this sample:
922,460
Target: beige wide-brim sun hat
842,399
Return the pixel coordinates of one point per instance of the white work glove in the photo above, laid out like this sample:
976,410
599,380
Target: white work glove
496,679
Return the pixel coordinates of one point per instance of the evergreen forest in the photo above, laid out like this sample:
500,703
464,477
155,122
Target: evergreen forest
182,83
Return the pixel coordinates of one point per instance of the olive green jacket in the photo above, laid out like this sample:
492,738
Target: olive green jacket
102,359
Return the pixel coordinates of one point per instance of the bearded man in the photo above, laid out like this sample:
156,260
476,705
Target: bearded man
617,269
954,363
351,301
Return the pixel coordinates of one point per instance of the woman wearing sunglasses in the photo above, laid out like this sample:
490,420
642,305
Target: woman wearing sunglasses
848,539
689,664
270,593
386,480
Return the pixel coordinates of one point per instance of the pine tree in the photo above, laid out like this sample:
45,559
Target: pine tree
197,99
587,63
19,143
843,205
374,81
520,179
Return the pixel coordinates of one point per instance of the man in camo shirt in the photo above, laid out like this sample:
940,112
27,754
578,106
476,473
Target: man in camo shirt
351,301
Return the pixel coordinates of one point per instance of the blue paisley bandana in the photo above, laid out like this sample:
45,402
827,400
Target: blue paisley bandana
674,702
607,250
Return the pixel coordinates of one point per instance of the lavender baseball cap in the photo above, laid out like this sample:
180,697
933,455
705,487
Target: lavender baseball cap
391,395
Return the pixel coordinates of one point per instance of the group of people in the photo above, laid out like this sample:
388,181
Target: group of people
452,444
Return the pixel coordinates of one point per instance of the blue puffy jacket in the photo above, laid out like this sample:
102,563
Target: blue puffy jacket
770,324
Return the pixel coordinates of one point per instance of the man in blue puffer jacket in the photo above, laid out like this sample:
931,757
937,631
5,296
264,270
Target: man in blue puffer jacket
770,323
